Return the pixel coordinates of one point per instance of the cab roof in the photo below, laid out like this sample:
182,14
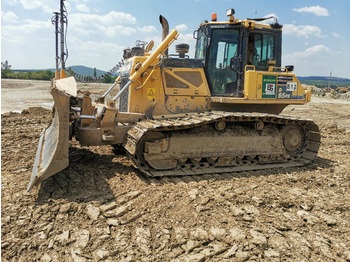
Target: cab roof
250,23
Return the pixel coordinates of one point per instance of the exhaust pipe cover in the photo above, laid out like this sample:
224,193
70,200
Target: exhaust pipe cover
165,29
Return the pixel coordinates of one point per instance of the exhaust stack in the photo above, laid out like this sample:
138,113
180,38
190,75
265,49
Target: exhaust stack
165,31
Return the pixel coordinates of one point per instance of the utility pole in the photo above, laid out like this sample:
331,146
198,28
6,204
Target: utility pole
55,22
63,54
58,20
329,82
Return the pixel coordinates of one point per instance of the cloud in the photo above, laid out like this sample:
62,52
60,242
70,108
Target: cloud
312,51
9,17
181,27
316,10
16,33
314,60
336,35
148,29
112,31
93,23
94,53
109,24
11,2
82,8
302,30
47,6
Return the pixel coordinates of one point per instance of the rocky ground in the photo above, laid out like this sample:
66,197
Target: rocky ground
102,209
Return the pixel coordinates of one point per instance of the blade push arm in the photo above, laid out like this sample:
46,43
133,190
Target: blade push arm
163,46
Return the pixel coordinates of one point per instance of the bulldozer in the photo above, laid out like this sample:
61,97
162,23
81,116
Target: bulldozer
216,113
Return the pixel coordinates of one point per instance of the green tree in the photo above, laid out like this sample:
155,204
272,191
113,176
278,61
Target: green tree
95,73
5,69
107,79
5,65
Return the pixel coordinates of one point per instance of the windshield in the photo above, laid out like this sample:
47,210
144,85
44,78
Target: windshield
223,47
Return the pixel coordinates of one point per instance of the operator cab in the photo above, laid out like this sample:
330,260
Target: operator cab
229,48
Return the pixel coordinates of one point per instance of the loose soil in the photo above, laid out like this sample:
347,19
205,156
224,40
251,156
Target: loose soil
101,209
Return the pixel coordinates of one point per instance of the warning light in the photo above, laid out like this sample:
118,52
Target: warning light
214,17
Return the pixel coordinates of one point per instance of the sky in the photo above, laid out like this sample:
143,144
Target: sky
316,34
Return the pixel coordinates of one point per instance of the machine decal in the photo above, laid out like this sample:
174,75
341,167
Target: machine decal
292,86
298,97
283,93
269,86
151,94
285,87
283,79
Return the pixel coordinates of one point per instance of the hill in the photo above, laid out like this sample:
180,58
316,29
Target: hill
319,81
79,69
323,81
86,71
81,73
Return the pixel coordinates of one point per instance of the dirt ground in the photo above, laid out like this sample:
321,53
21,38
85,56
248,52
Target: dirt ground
17,95
102,209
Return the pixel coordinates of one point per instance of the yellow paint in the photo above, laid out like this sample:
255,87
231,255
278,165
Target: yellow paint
163,46
253,88
151,94
192,82
63,74
246,23
158,90
237,100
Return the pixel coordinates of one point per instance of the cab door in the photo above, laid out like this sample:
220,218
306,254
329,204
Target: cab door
223,49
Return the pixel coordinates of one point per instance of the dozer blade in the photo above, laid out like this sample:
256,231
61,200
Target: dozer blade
52,153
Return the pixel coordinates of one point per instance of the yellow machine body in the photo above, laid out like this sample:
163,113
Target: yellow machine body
167,109
168,90
173,90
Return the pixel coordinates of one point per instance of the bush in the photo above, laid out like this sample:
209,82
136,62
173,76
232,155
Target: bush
32,75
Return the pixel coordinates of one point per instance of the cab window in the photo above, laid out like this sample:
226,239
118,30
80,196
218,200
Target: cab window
201,44
260,49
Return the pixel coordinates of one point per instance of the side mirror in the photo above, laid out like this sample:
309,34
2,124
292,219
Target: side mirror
195,34
234,63
290,68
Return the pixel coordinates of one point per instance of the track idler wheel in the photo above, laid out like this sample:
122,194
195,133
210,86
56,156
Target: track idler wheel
293,137
151,145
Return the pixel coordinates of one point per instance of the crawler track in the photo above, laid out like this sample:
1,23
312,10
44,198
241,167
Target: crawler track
221,142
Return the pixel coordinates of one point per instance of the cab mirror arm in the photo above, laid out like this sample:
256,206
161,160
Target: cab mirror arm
235,63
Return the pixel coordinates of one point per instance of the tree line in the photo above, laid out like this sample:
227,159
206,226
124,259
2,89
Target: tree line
6,72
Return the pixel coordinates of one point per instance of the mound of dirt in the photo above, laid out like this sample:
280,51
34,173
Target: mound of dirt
102,209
